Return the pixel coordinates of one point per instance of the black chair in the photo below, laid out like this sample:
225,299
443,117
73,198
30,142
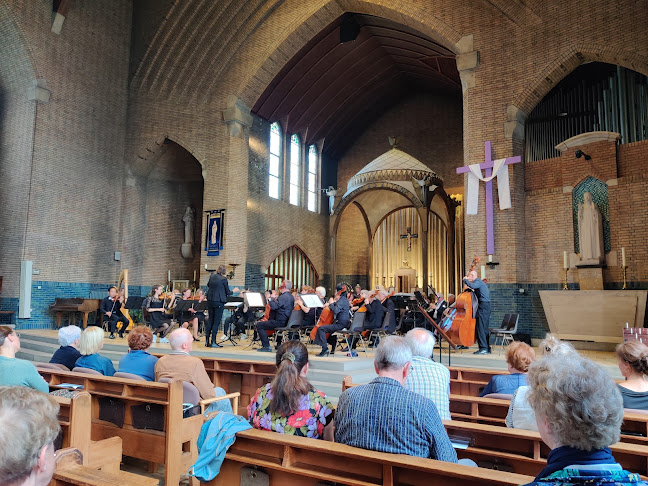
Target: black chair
381,331
506,330
354,331
294,322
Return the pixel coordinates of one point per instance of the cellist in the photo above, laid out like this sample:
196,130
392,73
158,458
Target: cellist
339,305
482,293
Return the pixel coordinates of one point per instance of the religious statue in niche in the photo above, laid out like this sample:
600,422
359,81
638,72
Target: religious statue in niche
189,219
590,232
331,192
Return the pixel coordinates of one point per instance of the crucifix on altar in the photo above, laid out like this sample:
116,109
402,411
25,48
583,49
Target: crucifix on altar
492,168
409,237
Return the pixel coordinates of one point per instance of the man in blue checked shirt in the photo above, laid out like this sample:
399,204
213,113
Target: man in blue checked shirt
427,378
384,416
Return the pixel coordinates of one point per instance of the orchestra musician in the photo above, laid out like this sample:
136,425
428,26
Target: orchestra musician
388,304
480,290
356,293
158,318
283,306
311,314
192,316
439,308
235,324
111,310
339,305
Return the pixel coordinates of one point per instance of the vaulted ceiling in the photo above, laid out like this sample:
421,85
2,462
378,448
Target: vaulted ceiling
332,91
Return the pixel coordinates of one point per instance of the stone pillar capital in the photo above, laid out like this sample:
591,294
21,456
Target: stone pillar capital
37,91
237,117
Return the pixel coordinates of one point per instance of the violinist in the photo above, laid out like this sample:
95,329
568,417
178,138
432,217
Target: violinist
111,310
339,305
158,318
192,316
439,308
235,324
356,297
283,306
311,314
482,293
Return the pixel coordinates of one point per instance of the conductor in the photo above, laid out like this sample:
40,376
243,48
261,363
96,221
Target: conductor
483,310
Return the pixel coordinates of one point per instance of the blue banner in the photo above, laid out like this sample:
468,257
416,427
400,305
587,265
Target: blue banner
214,233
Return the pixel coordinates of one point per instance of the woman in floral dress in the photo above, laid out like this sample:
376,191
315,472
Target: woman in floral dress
290,405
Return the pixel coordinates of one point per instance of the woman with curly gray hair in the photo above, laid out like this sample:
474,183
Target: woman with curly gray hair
578,410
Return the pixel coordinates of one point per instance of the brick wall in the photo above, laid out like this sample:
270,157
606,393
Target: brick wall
352,247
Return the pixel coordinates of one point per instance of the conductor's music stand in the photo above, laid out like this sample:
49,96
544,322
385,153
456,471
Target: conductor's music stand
442,334
255,301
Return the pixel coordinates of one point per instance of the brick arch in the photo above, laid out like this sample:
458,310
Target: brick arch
13,38
294,250
567,62
147,154
404,12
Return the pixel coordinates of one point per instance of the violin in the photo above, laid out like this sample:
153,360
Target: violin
462,330
326,317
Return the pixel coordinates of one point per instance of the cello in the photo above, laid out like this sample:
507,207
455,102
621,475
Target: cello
462,331
326,317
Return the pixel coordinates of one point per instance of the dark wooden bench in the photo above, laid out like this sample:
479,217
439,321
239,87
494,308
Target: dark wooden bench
174,445
291,461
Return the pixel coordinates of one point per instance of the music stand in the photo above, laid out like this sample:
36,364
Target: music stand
255,301
442,334
135,304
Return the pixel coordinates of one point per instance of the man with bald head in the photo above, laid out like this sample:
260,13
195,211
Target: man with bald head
179,365
480,289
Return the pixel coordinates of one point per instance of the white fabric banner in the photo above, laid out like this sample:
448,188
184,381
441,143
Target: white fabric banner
500,170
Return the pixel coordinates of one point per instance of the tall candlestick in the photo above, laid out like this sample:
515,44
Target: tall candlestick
623,260
483,272
565,265
194,276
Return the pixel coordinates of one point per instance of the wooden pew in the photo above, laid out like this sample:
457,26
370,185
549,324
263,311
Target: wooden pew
523,451
70,471
291,461
174,446
75,417
243,376
492,411
470,381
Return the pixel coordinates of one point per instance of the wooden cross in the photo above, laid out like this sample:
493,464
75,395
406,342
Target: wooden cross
488,165
409,237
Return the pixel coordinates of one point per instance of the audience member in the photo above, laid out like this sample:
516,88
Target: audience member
14,371
29,425
425,377
519,356
632,358
520,414
578,411
92,340
290,405
179,365
69,338
384,416
138,361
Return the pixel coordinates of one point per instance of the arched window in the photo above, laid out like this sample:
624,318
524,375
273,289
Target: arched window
294,169
312,178
291,264
275,158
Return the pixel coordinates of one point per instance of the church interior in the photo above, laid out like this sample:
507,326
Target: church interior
389,144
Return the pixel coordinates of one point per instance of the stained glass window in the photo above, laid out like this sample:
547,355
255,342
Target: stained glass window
312,178
294,169
275,157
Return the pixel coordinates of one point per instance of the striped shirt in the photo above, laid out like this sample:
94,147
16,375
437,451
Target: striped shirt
384,416
432,380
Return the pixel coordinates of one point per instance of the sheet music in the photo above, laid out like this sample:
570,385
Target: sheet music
254,299
311,300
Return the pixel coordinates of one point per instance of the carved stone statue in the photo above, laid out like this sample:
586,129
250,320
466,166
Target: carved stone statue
188,218
331,193
590,232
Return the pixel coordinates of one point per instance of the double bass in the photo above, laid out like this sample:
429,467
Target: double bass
462,331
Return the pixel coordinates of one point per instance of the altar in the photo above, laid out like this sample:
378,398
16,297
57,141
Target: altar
593,315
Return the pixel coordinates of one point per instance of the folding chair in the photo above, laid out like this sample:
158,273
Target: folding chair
294,322
381,331
355,331
505,332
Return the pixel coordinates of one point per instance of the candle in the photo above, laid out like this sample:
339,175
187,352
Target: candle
194,276
169,276
623,260
490,258
565,265
483,272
